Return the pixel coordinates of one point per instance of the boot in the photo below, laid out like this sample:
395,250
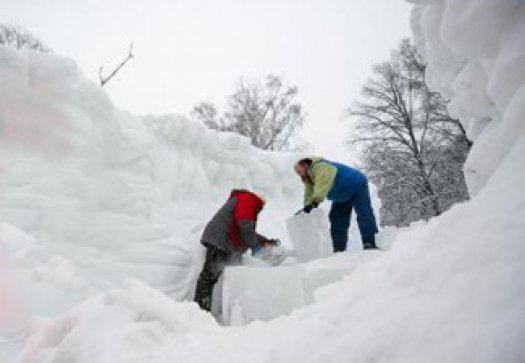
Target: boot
369,245
204,290
339,241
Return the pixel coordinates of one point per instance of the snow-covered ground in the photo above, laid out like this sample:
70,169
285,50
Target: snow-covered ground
119,195
101,214
105,195
91,196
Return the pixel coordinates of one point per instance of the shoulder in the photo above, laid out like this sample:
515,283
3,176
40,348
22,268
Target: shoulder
323,167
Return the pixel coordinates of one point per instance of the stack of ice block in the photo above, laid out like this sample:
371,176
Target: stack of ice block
262,293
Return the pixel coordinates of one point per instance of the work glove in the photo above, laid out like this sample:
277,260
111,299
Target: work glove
256,250
272,242
308,208
262,252
265,244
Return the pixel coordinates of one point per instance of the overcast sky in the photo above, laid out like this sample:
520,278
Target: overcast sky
192,50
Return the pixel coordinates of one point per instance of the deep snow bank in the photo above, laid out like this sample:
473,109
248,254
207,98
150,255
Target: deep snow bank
114,196
476,56
449,291
91,196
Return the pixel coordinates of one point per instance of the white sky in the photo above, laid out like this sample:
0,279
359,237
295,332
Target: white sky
192,50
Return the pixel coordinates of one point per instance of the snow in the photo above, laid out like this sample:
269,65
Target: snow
309,235
102,212
103,196
258,293
476,53
116,324
117,195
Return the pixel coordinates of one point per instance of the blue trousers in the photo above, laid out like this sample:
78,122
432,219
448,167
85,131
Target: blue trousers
341,213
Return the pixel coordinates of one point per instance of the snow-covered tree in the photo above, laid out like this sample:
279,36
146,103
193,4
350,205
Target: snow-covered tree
19,38
412,149
266,113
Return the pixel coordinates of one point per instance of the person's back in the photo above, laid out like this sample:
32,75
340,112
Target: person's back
347,181
347,188
232,228
216,230
228,234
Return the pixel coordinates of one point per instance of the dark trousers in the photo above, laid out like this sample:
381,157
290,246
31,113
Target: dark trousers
214,264
340,216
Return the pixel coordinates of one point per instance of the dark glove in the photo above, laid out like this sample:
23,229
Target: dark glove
274,242
264,244
308,208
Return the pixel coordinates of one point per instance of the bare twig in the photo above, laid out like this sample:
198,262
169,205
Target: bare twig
104,80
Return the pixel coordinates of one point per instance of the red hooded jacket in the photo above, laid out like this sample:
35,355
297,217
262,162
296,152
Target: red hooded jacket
247,208
233,228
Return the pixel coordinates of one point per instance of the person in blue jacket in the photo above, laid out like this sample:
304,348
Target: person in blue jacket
347,188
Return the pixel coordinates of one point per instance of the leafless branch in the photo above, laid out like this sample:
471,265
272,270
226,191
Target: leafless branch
410,146
104,80
266,113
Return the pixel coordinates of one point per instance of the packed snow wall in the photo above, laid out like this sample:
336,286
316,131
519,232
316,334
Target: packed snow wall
450,290
476,57
116,195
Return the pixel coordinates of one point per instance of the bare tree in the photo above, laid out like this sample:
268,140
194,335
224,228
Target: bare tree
411,148
19,38
106,79
207,113
267,114
433,102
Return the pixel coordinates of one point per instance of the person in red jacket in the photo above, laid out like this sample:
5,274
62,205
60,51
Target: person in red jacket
229,234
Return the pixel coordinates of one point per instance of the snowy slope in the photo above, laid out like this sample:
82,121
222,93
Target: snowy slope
105,195
451,290
476,55
448,292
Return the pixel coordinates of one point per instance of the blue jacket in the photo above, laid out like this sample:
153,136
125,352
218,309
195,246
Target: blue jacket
331,180
347,181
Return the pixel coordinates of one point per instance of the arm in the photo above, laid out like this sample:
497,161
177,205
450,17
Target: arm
247,233
249,237
324,177
261,239
262,242
245,215
308,193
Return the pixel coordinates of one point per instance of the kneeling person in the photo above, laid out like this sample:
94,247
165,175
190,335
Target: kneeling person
229,234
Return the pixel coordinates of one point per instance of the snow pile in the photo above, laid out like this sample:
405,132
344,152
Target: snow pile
451,290
476,55
106,195
115,325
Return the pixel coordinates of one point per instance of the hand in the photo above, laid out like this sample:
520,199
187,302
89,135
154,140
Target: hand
273,242
308,208
257,250
262,251
268,243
